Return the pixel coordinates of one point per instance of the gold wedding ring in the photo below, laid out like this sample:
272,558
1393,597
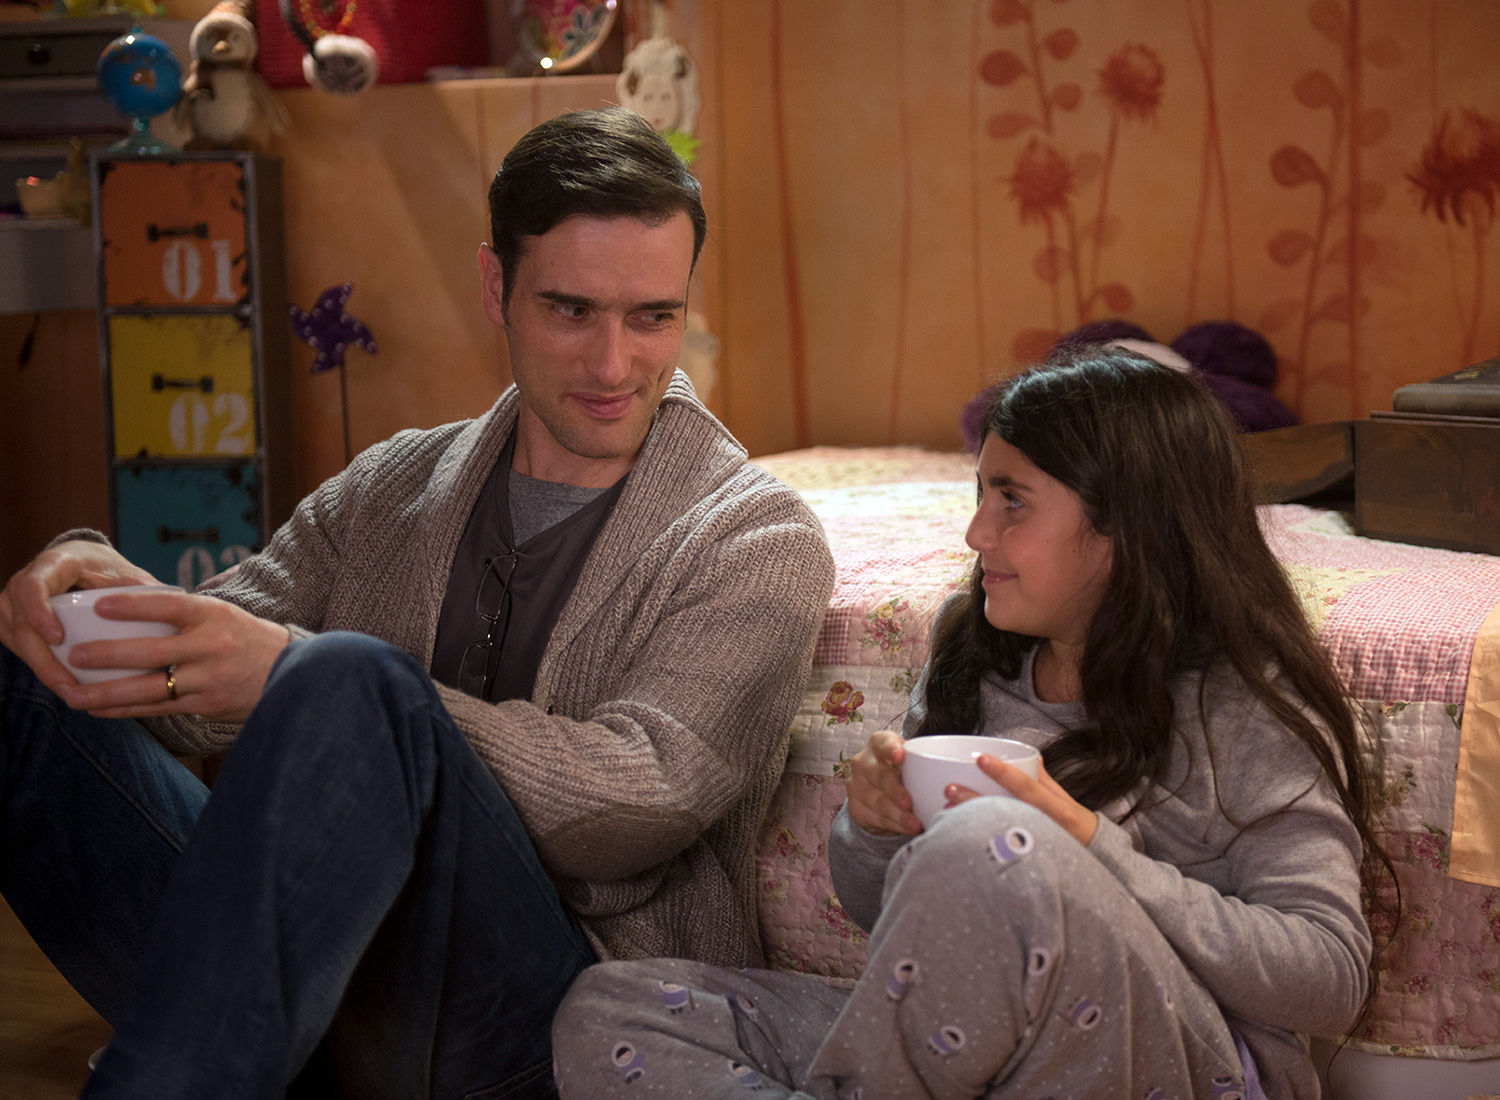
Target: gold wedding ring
171,671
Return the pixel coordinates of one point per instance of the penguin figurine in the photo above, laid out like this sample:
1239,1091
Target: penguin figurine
223,96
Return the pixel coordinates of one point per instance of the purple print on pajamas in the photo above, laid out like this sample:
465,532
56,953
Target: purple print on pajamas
1038,976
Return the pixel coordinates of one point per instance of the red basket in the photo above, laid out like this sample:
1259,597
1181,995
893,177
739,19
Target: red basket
409,37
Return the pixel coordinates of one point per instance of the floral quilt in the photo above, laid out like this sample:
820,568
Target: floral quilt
1399,621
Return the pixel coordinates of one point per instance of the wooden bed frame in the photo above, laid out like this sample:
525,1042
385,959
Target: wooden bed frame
1425,479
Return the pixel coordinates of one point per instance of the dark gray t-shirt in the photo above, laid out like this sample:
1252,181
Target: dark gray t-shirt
549,529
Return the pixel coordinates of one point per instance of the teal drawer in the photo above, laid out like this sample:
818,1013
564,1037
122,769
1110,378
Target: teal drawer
186,523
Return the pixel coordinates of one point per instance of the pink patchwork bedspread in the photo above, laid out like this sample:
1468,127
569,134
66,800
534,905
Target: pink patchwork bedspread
1399,621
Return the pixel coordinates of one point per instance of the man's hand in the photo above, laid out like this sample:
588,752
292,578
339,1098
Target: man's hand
1043,792
878,803
28,626
220,657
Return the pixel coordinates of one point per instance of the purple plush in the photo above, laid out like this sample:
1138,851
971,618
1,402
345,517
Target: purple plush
971,419
1253,409
1236,363
1229,349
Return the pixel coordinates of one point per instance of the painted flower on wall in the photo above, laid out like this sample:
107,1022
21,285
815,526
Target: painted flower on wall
1042,182
1132,80
1458,173
1050,179
1460,167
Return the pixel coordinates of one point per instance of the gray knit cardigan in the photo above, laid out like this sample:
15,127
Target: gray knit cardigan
657,730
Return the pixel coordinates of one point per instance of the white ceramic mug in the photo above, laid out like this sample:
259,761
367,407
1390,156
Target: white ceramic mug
932,763
81,623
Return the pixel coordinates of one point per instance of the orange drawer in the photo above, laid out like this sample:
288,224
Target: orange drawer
173,233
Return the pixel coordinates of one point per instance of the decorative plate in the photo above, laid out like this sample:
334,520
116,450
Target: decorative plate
560,35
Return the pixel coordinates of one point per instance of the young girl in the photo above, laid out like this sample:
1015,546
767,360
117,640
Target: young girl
1168,909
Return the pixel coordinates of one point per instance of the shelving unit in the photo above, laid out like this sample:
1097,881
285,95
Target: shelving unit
49,93
193,354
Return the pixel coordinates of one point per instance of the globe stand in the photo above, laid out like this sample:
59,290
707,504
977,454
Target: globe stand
142,141
140,77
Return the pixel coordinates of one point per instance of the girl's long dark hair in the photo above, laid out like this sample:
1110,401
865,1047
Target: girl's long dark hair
1158,466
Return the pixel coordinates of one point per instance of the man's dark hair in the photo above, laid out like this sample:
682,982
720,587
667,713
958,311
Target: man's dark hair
604,163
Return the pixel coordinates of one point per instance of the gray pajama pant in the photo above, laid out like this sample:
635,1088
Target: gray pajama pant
1007,962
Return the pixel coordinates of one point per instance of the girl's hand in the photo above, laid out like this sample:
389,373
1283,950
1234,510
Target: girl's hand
1042,792
878,803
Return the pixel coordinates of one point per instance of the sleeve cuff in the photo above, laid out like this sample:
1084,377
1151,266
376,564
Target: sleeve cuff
1112,844
79,534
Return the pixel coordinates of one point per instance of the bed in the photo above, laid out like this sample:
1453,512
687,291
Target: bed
1414,631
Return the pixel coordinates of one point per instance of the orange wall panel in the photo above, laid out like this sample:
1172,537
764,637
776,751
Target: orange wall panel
387,191
919,197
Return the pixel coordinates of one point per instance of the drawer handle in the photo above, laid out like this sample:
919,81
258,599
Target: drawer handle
160,382
156,232
38,54
167,534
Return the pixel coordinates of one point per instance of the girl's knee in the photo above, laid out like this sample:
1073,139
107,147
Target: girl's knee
1003,831
611,1013
983,841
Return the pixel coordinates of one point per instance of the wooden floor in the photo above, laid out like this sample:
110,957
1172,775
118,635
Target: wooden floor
47,1031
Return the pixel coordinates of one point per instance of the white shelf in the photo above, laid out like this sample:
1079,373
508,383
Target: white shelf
56,256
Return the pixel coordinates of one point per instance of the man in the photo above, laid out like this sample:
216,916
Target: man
395,880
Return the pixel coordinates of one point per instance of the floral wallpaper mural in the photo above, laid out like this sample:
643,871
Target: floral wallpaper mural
1334,249
1458,178
1047,184
917,198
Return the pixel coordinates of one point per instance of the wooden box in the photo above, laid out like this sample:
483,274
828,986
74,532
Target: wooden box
1430,480
1306,462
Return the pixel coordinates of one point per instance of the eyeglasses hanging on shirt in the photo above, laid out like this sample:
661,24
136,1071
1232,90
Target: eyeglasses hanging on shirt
492,603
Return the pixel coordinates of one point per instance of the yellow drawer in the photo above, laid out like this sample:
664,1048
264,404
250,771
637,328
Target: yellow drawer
182,385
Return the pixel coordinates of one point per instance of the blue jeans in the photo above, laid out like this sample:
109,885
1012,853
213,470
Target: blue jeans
357,910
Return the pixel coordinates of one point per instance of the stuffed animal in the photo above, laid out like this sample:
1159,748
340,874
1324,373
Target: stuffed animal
1235,363
659,81
1239,365
223,97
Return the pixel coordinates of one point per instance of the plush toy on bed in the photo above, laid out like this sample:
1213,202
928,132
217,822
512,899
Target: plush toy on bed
1236,363
1239,365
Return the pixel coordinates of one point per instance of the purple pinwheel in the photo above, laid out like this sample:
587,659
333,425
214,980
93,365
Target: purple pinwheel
329,328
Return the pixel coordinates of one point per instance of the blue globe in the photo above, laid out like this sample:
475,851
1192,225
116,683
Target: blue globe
139,74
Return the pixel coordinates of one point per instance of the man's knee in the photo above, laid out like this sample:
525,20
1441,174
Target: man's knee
345,661
324,690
